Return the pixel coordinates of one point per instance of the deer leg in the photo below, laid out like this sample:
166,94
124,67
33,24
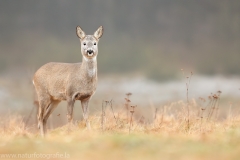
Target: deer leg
40,120
85,112
49,111
70,110
43,105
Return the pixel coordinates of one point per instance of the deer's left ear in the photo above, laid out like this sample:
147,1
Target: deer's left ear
99,32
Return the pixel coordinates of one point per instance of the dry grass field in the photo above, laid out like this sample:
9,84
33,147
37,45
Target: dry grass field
201,128
179,130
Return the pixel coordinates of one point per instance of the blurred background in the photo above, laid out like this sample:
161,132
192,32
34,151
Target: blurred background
143,49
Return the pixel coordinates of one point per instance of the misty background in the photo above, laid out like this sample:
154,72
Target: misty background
156,38
143,49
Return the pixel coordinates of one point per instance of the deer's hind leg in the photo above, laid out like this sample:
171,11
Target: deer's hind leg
44,104
49,111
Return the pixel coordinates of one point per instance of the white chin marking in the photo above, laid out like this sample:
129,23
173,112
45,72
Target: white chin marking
91,59
86,59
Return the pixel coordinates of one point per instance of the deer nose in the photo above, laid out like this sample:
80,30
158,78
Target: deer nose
89,51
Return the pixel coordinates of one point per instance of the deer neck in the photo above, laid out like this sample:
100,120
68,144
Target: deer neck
89,67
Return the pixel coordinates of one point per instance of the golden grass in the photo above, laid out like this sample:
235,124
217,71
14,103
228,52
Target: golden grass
166,136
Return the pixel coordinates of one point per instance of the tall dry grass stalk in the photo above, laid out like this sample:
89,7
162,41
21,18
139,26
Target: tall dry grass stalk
127,104
188,81
214,104
131,119
111,106
103,115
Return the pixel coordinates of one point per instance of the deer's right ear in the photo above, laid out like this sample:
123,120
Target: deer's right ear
80,33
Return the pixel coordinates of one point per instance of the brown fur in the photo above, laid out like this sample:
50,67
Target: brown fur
56,82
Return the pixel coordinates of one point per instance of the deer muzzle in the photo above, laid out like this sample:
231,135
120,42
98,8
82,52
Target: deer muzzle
90,52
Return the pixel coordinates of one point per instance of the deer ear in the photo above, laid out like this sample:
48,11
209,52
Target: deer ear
80,33
99,32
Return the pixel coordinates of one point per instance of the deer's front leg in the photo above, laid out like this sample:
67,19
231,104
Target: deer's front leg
70,111
85,112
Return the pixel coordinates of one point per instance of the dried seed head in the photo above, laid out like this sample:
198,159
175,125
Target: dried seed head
128,100
202,99
128,94
215,96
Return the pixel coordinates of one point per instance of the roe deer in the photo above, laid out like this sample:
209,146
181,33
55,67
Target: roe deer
56,82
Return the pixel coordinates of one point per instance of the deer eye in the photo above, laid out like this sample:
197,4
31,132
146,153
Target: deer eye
84,43
95,43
